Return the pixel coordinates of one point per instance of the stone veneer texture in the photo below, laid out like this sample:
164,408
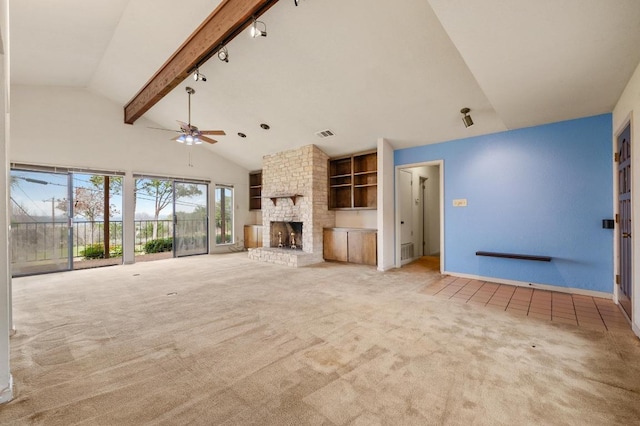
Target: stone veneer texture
302,171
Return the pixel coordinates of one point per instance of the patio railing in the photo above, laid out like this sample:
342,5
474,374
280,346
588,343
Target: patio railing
37,241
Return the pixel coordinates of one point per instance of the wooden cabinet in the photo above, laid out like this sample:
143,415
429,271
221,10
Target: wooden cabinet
252,236
255,190
351,245
353,182
335,245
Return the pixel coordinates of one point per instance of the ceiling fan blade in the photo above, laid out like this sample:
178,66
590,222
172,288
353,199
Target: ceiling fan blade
166,130
207,140
213,132
184,126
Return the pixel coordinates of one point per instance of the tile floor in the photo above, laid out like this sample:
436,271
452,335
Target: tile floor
585,311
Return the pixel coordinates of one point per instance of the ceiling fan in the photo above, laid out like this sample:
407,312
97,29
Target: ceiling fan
191,135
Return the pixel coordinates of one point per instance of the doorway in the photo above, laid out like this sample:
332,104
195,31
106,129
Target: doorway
419,215
625,255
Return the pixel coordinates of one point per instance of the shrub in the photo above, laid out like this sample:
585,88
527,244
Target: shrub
159,245
93,251
115,251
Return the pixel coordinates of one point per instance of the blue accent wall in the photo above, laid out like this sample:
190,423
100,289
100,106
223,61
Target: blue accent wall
540,191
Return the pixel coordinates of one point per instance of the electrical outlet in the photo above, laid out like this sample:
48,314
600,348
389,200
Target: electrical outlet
460,202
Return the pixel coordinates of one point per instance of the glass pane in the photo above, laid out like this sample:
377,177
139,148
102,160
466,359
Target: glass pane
39,222
153,219
224,215
95,243
191,219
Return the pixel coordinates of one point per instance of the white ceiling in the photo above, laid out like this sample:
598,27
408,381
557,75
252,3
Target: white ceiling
398,70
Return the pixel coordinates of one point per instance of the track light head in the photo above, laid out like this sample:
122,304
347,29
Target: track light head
198,76
223,54
466,118
258,29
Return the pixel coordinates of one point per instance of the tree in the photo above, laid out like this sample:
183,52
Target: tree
162,193
88,203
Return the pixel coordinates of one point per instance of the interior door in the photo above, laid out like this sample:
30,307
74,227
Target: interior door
40,222
191,231
406,210
625,216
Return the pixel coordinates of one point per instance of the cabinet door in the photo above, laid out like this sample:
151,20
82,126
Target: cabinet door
252,236
335,245
258,236
363,247
249,240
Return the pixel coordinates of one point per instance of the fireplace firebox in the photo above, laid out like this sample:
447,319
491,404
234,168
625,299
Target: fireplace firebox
286,235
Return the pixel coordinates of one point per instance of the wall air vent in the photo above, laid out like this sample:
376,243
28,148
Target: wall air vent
325,133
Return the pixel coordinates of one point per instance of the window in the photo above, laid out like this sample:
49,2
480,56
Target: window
224,214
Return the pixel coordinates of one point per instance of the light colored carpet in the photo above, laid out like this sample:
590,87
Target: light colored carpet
224,340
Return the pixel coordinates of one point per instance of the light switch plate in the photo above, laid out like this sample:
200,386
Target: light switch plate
460,202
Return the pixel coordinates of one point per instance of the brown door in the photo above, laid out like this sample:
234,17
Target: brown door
624,228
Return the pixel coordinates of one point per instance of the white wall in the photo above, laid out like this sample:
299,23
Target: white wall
357,219
628,106
6,391
386,206
74,127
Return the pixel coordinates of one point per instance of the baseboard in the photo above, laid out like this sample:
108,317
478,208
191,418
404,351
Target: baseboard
385,268
570,290
6,394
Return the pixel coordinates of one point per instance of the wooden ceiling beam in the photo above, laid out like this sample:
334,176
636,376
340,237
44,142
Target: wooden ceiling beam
224,24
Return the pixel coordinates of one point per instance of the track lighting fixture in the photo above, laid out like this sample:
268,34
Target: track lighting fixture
223,54
198,76
258,29
466,118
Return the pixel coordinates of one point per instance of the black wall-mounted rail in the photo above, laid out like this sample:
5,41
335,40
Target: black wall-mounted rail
514,256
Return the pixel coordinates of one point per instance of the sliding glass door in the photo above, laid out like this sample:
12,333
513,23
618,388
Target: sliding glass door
190,219
64,220
97,220
171,218
40,222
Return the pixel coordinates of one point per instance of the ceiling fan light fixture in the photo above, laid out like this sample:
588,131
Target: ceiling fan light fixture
180,139
188,140
197,141
258,29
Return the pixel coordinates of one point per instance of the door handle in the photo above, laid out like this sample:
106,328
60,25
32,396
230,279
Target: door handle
626,235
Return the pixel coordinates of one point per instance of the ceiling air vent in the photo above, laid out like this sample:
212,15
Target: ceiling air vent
325,133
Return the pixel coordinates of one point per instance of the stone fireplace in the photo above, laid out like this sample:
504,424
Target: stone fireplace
295,199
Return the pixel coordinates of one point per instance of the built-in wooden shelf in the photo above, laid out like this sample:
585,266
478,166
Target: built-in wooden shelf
353,182
255,190
274,198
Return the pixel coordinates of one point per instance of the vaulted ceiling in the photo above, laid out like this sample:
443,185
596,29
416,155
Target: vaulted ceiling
398,70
